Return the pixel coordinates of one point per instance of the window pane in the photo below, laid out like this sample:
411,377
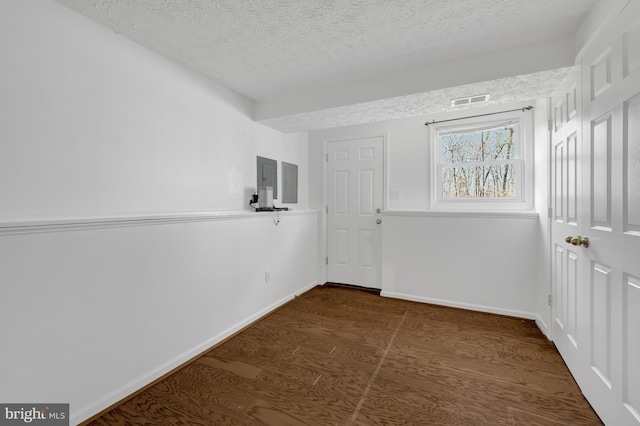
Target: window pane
485,145
490,181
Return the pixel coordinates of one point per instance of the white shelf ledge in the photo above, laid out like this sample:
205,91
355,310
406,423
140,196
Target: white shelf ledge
35,224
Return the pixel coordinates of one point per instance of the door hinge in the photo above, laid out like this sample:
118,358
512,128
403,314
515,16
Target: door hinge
550,125
326,157
550,212
326,209
549,300
326,260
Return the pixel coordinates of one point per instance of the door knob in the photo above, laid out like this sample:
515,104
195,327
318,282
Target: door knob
379,221
578,240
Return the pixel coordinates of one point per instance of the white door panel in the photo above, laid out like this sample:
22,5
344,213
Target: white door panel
612,115
567,218
630,256
354,182
597,288
631,343
631,117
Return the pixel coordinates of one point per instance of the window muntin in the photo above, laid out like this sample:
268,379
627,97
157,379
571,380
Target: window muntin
480,164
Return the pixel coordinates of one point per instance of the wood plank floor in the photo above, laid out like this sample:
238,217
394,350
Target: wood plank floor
337,356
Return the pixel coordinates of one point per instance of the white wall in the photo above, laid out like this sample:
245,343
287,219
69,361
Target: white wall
417,244
93,123
91,315
486,263
97,130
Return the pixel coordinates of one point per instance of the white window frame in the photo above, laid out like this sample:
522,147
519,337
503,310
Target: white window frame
523,161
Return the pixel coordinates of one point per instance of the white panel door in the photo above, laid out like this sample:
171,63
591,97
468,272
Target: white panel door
567,216
354,193
608,276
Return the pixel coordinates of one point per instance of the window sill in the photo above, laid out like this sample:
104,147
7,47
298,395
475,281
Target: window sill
463,214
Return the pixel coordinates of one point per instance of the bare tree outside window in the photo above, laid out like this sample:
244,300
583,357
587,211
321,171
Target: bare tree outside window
479,164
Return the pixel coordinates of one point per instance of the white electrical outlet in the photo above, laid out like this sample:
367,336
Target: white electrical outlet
267,276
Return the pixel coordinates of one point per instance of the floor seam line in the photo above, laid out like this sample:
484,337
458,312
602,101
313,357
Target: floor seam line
377,370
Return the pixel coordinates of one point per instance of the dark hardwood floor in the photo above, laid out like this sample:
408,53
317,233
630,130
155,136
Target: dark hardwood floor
338,356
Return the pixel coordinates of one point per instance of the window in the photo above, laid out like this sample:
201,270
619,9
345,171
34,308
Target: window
480,164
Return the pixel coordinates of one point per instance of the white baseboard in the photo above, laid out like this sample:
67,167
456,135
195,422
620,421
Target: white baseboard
307,288
124,391
462,305
542,325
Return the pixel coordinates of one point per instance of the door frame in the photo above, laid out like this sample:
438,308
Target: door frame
549,267
325,195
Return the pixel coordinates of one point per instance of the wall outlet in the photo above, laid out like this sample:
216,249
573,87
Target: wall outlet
267,276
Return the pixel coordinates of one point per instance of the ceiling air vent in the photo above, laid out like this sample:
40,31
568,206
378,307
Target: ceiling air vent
469,100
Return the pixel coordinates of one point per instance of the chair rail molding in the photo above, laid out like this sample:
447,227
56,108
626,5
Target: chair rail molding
36,224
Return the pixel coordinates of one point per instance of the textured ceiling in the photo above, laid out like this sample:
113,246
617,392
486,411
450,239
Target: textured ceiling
265,48
503,91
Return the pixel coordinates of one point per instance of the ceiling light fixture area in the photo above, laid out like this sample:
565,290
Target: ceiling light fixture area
469,100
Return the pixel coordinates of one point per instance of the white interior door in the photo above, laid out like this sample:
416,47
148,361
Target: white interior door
602,345
567,216
354,194
611,99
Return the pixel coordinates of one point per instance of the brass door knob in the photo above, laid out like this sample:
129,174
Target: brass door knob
578,241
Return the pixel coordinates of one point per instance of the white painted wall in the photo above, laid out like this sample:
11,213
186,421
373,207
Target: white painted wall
90,316
93,123
95,126
416,245
485,263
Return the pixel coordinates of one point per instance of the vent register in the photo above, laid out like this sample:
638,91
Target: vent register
469,100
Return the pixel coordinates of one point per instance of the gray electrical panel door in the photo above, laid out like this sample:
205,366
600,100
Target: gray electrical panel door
268,174
289,183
